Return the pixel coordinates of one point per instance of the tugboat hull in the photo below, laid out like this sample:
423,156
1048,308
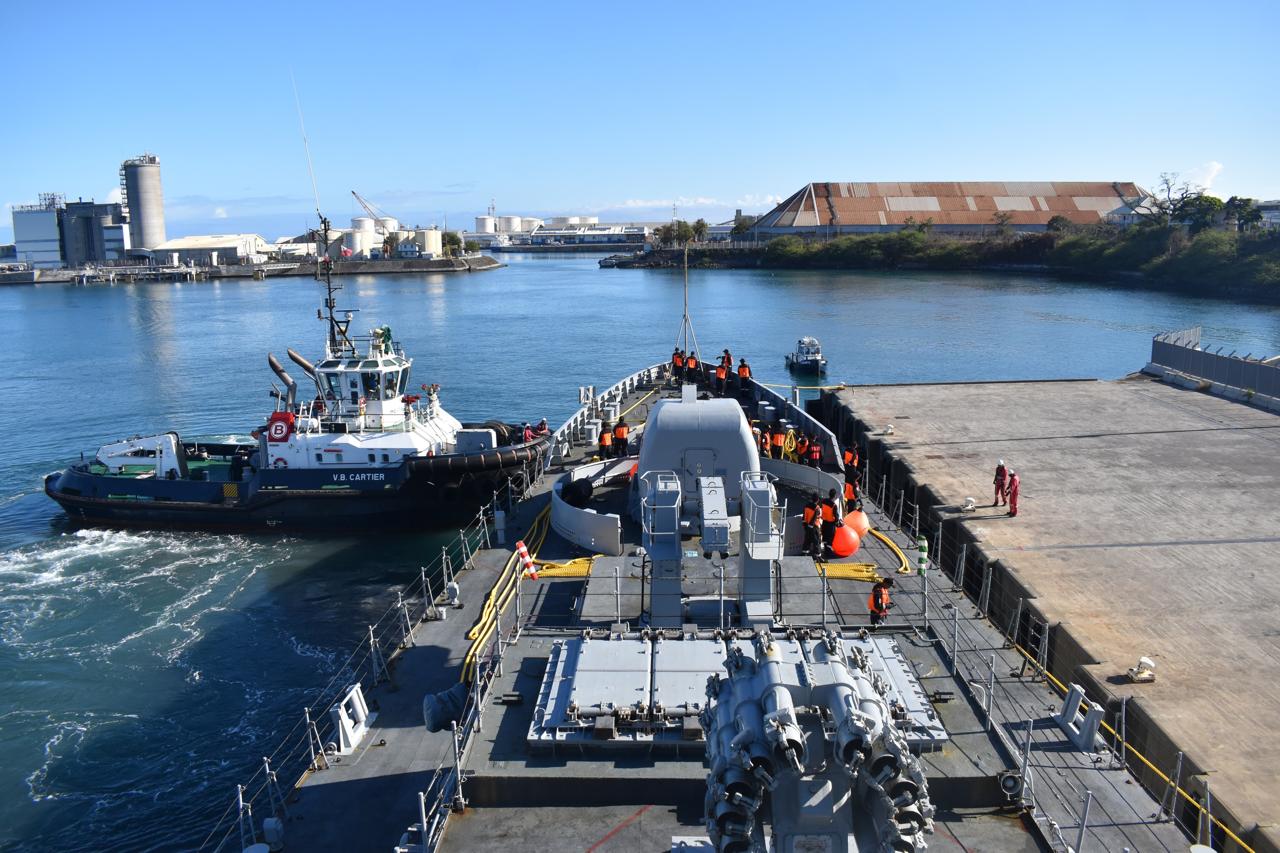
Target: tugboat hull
419,495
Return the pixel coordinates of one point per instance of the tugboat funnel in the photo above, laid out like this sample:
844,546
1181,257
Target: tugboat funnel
307,367
285,378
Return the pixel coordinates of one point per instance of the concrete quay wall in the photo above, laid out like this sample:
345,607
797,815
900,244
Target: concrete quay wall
1147,527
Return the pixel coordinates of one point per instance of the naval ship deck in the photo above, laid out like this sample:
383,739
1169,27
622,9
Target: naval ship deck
400,782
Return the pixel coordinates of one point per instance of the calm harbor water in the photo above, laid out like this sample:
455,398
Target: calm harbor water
145,674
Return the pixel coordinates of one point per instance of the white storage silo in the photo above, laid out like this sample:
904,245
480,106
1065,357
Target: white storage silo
362,223
573,220
486,225
558,221
388,224
144,200
508,224
589,220
530,223
430,241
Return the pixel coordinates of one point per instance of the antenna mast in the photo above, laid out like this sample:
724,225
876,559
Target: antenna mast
685,335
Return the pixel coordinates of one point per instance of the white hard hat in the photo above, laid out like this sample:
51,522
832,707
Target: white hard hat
999,461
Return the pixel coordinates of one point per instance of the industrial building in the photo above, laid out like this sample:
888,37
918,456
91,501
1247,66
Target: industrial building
37,234
53,233
143,200
828,209
370,238
93,233
589,234
212,250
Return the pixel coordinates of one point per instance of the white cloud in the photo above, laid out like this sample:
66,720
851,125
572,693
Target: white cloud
219,213
681,201
758,202
1205,174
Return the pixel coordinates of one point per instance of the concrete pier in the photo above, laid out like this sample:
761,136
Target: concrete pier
1148,526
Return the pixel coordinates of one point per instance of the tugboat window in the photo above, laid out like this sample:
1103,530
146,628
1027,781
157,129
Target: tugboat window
371,385
386,458
372,458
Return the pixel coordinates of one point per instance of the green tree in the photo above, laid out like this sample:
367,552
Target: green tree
451,242
1243,212
742,226
389,244
1202,212
1003,220
1058,224
700,229
472,246
1172,202
684,232
666,234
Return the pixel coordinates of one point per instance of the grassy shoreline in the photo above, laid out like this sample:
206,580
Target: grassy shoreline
1210,262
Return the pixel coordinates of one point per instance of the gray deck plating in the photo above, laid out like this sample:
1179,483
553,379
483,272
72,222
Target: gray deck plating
640,801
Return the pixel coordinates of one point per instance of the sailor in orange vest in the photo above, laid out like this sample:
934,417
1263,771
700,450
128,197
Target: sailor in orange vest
727,360
830,519
691,371
779,439
721,373
878,602
802,449
677,365
620,433
744,373
815,453
606,440
850,492
764,441
850,461
813,529
1012,490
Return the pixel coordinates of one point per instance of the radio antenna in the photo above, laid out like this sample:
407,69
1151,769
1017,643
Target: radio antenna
305,144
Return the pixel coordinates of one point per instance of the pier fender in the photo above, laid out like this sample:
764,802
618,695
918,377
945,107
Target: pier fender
439,710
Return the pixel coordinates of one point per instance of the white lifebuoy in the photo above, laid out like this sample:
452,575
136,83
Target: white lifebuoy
280,462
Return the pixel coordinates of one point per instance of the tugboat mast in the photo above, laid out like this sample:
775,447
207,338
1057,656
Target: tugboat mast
338,341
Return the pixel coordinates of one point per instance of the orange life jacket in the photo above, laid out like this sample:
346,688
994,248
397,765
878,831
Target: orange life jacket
802,446
677,360
691,362
848,456
720,372
809,515
828,511
849,493
779,439
744,372
878,600
606,439
620,432
815,451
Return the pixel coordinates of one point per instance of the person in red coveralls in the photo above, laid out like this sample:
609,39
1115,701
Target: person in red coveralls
1002,477
1015,486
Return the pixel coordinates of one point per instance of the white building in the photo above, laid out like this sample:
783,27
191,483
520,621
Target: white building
213,250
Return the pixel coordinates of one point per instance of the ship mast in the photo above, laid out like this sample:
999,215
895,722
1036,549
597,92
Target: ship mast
685,335
338,342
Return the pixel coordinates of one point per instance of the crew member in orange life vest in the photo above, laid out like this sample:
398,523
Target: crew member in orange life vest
620,433
606,440
721,374
878,602
744,373
691,372
813,529
815,453
677,365
830,519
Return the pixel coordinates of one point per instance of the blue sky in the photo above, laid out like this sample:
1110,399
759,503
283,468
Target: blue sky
621,109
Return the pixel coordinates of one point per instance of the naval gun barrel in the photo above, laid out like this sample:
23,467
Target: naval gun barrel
285,378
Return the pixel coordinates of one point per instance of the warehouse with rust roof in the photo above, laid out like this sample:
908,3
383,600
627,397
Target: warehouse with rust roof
828,209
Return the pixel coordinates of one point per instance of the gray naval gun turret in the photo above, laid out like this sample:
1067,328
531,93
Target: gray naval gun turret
808,730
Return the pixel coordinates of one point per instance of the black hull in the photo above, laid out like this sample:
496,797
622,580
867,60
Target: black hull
436,493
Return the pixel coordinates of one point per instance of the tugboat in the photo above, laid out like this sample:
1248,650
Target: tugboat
363,452
808,357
